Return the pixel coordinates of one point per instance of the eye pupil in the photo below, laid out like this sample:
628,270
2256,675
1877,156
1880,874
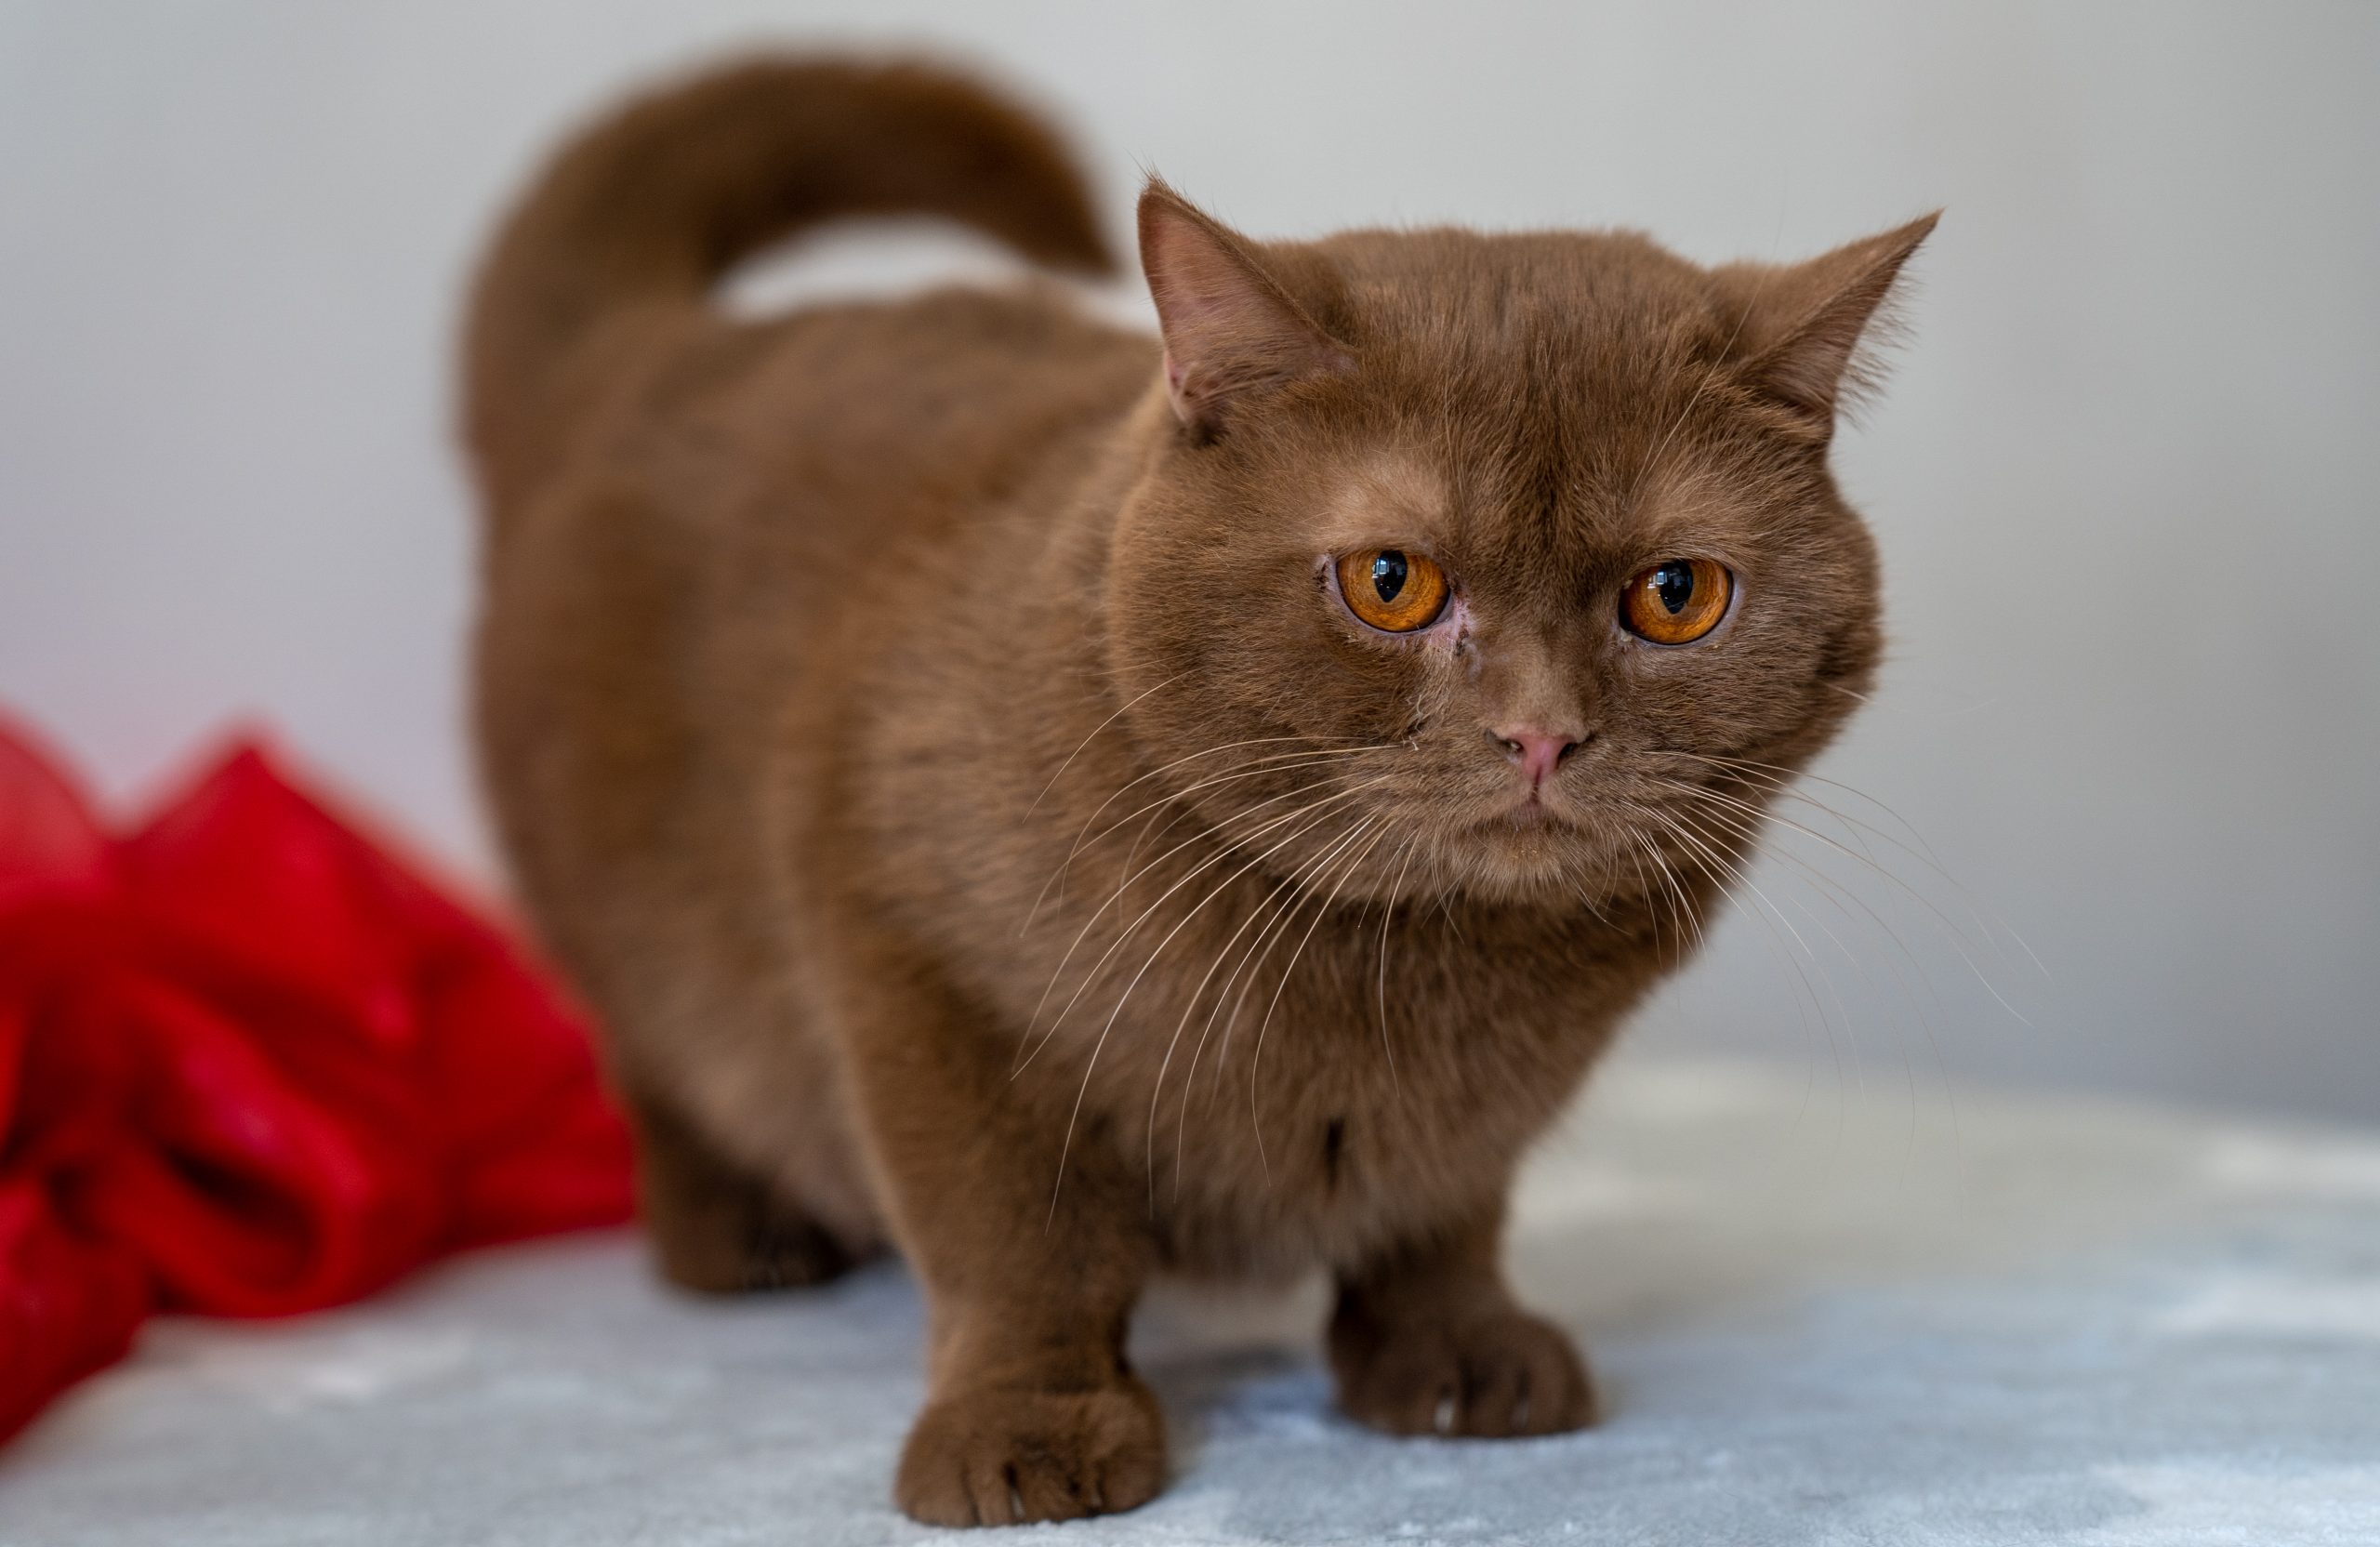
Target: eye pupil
1388,574
1674,585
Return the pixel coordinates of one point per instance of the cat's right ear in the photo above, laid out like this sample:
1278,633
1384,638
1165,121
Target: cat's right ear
1802,328
1229,327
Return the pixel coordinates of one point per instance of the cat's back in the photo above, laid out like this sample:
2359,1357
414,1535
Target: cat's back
781,474
837,433
954,375
733,528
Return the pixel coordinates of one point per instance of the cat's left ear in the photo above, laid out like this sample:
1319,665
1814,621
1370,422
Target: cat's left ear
1800,326
1229,326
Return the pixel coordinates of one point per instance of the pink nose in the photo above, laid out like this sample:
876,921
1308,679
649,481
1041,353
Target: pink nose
1537,753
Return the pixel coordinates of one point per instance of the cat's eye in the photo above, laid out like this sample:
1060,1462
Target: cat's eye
1676,602
1391,590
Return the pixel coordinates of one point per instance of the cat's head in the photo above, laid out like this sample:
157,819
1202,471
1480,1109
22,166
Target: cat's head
1471,555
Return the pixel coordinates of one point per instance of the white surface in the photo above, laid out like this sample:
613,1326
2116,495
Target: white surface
2123,481
1819,1319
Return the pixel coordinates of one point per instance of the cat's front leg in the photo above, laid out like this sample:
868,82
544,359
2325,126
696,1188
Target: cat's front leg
1032,1412
1427,1340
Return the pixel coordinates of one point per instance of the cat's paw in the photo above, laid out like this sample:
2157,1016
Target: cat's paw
777,1249
1001,1457
1500,1374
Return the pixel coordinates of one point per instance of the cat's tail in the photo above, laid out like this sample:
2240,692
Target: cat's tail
637,218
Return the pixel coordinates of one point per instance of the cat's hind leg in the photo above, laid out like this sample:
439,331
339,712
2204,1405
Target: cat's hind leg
717,1226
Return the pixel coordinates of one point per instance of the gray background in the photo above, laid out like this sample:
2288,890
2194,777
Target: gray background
2123,478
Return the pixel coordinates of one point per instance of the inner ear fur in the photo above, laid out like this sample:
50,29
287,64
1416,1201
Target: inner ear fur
1229,326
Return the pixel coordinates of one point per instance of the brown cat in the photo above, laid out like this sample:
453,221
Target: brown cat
1070,806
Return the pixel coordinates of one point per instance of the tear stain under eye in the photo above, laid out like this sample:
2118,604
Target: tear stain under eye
1418,715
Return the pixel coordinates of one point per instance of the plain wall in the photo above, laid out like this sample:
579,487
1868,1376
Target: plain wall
2123,478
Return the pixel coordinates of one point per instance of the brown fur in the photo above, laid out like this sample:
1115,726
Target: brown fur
905,721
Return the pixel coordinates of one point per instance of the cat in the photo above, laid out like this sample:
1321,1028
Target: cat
1067,804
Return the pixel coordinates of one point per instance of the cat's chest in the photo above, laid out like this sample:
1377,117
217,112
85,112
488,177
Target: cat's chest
1366,1102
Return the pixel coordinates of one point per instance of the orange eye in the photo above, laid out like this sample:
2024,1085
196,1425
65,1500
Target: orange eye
1392,589
1676,602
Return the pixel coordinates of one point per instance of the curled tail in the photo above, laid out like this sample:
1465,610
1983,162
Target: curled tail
639,216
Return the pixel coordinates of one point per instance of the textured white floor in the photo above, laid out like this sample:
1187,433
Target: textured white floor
1820,1316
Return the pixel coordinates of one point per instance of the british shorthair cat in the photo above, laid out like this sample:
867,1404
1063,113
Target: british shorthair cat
1067,804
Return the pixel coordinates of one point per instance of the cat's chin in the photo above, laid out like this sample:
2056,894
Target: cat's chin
1529,854
1531,823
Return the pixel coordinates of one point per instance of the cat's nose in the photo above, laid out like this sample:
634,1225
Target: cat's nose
1537,753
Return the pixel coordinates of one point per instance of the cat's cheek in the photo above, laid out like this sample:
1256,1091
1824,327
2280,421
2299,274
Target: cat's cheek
1711,692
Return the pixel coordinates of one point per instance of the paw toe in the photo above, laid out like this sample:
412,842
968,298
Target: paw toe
1008,1456
1510,1375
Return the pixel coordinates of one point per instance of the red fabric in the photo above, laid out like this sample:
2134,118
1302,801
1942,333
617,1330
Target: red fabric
251,1064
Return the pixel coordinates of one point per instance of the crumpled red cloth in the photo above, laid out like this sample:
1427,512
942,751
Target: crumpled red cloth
252,1064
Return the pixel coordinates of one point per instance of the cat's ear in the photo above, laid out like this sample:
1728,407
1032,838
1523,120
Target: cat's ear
1229,326
1800,326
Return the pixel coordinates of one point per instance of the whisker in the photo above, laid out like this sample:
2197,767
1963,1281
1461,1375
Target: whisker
1189,1009
1086,741
1066,1146
1250,963
1673,892
1737,875
1224,852
1306,882
1256,1058
1835,895
1216,830
1953,937
1732,872
1194,757
1255,768
1388,916
1782,781
1645,893
1252,768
